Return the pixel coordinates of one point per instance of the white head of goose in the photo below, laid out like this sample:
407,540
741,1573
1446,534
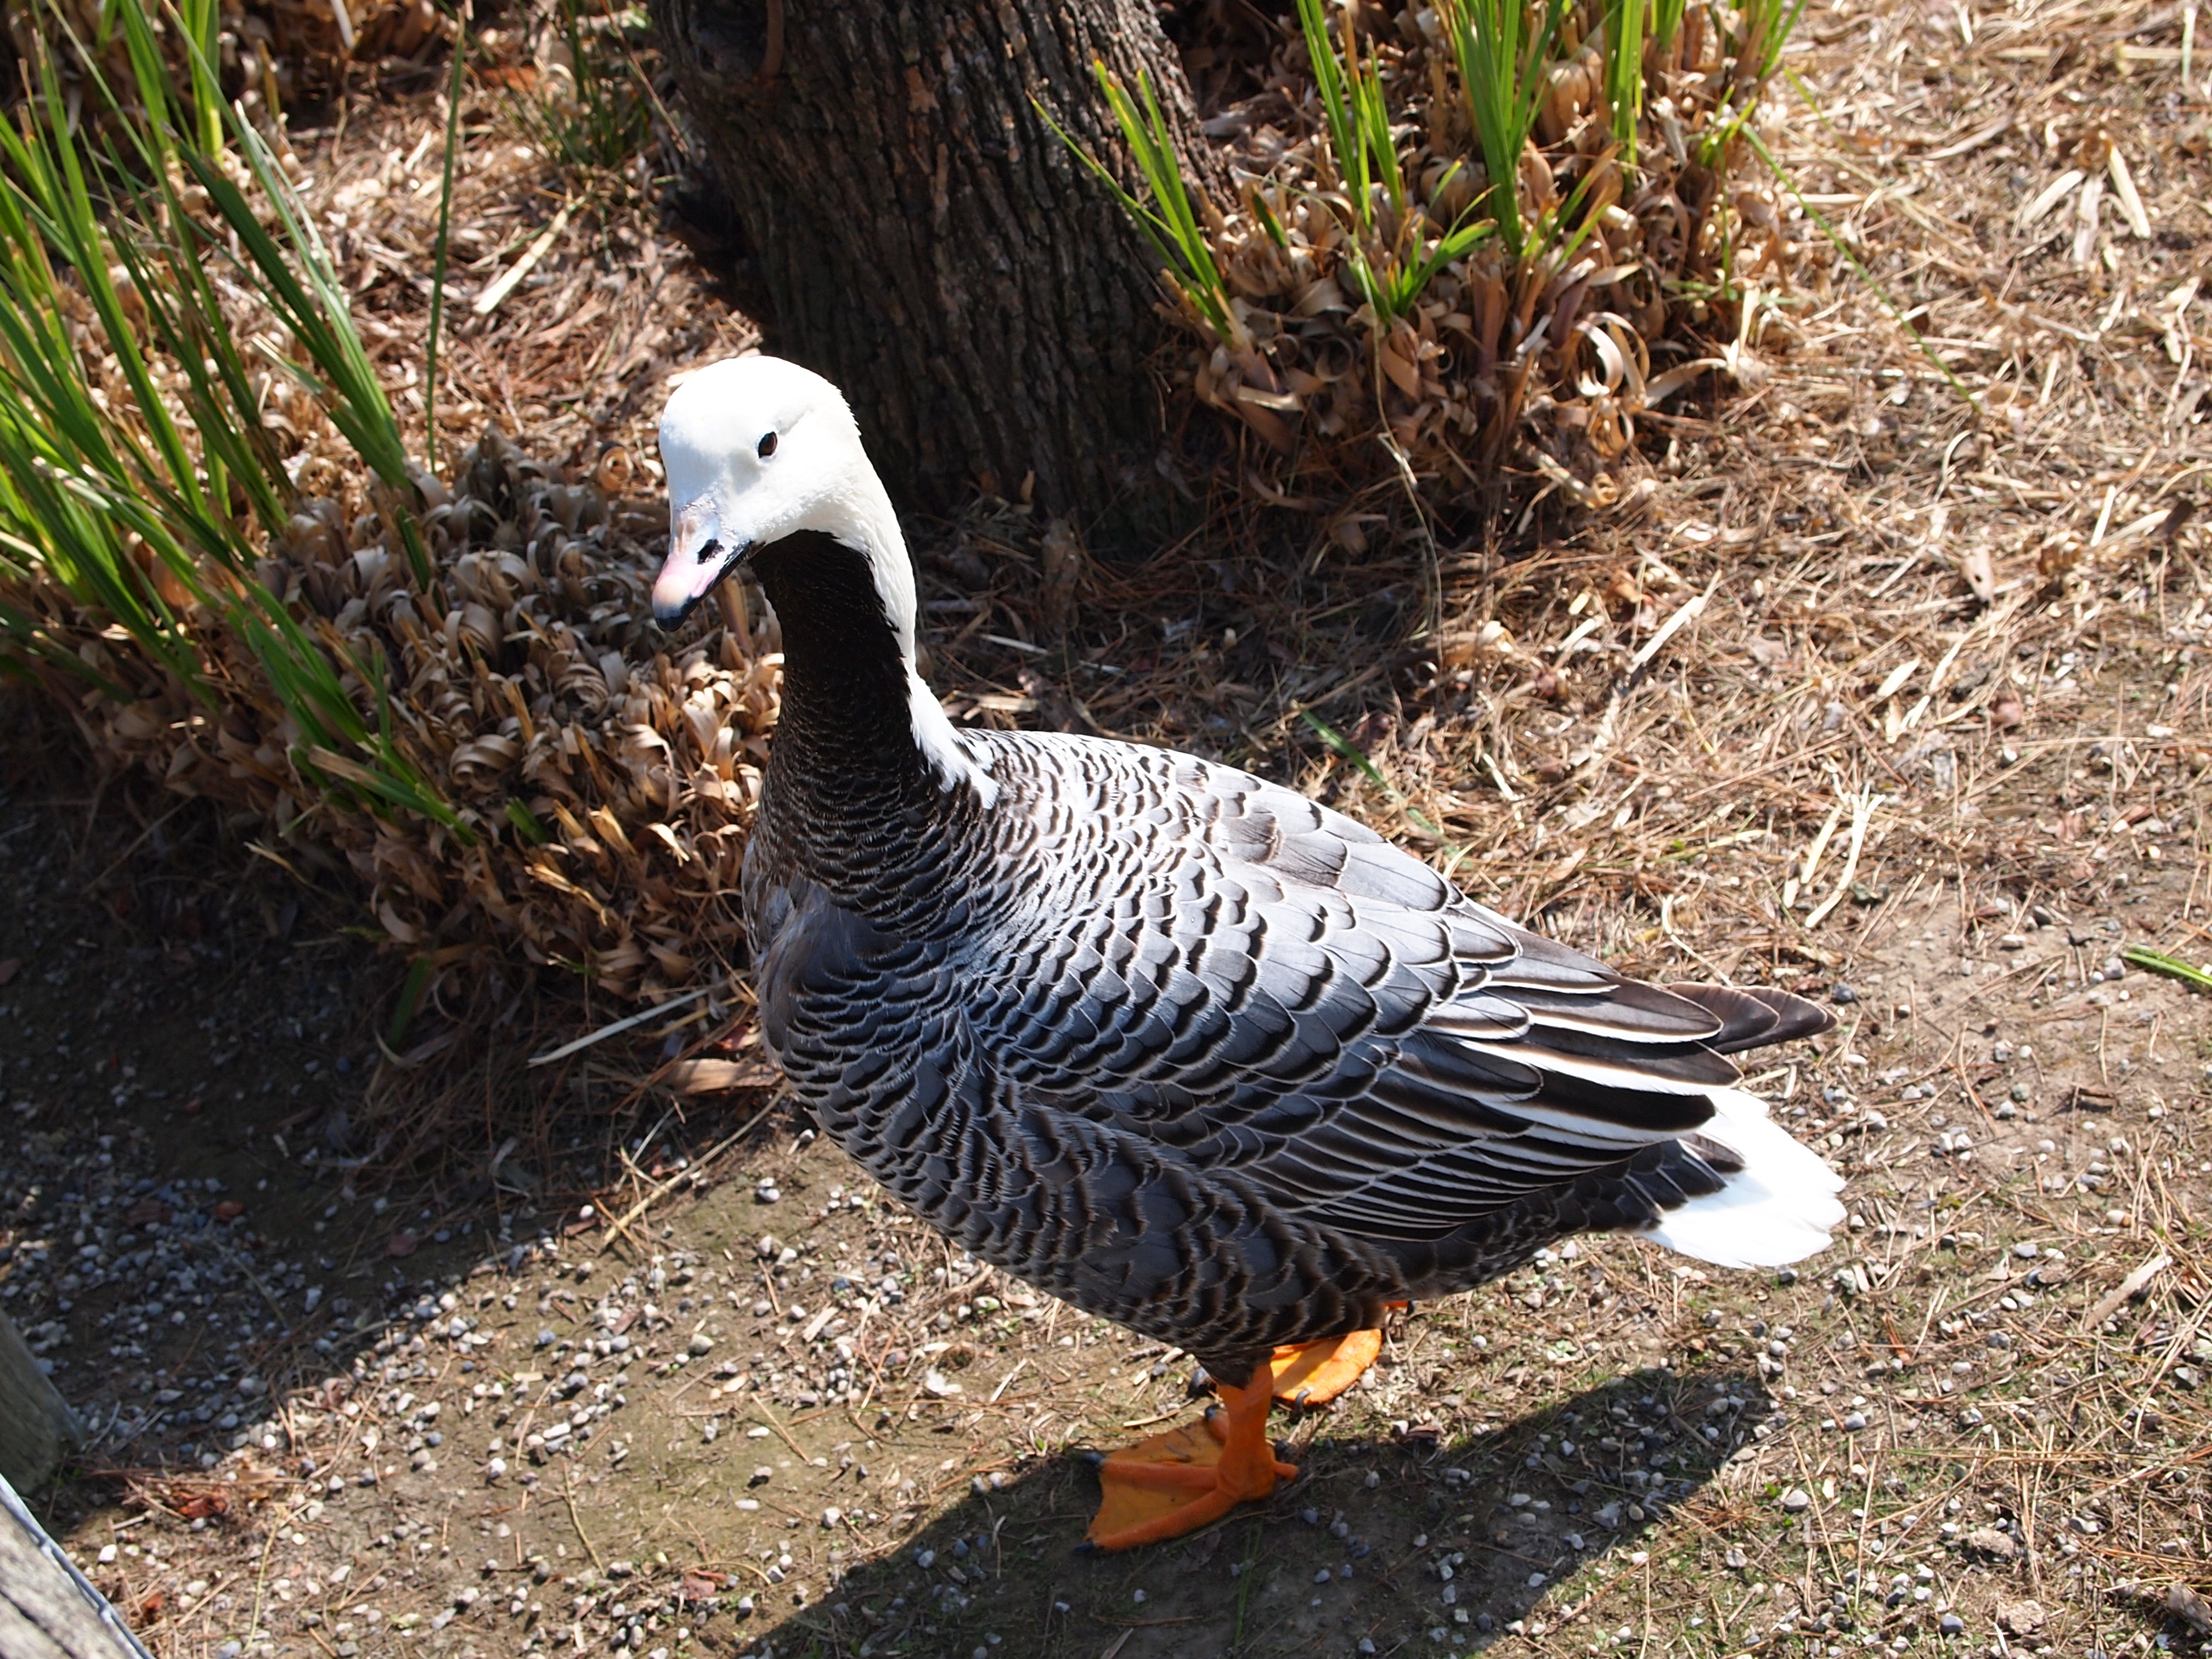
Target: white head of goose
1167,1040
764,463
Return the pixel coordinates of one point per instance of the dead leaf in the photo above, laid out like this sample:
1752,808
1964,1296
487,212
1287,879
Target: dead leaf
1458,650
403,1243
1768,653
1274,431
427,1048
1974,565
2057,557
2006,711
1403,375
229,1210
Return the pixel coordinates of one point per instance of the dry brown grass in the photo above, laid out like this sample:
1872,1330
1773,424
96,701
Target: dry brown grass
1536,350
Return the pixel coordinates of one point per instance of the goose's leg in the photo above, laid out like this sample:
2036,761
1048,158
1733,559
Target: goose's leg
1314,1373
1177,1482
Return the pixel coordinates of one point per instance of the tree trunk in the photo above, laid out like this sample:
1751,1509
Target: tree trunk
36,1424
927,240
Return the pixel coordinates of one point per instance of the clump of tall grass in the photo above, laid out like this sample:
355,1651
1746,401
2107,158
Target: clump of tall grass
155,282
441,688
1497,207
593,116
1351,90
1504,76
1170,222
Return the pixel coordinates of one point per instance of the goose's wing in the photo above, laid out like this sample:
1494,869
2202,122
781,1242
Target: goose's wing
1275,989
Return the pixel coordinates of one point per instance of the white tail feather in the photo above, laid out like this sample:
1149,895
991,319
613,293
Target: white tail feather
1779,1209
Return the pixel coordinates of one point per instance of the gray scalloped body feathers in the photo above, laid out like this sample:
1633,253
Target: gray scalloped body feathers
1171,1043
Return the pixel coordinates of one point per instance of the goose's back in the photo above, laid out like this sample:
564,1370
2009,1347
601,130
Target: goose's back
1187,1048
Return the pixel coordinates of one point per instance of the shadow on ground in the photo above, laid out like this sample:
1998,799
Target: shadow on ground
1447,1546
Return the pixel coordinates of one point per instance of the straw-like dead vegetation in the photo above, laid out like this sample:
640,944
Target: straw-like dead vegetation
1473,239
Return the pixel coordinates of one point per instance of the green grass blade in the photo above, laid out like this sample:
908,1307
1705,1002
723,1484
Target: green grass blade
1355,111
1350,751
2173,967
1171,224
1624,23
441,246
527,823
202,20
1266,216
612,117
1457,243
1503,78
118,514
411,992
1852,258
1371,120
1345,143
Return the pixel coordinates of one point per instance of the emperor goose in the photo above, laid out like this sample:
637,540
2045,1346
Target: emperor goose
1165,1040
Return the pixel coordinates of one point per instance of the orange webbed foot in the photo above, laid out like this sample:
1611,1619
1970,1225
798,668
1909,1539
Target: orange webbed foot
1314,1373
1175,1483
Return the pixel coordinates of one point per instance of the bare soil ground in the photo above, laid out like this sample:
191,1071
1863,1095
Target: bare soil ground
1934,745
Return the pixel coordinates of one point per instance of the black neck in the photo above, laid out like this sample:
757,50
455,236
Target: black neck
847,725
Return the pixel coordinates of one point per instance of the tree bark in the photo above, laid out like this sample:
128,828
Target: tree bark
36,1424
925,240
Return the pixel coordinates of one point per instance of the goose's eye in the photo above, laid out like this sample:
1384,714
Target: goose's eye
767,445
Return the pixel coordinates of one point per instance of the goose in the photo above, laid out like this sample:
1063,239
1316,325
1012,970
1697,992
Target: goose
1164,1040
